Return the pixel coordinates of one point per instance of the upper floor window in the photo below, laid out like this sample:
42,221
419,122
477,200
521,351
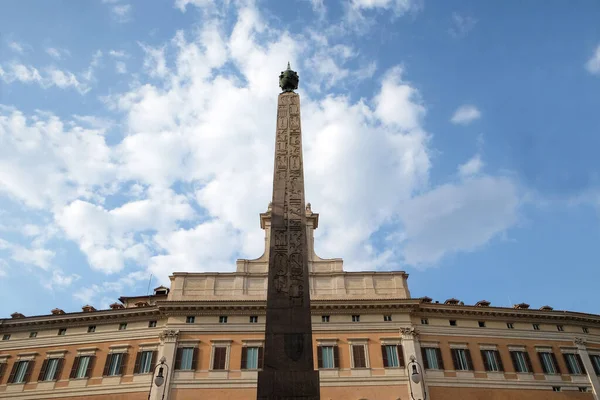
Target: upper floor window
556,388
560,328
356,318
51,368
521,362
223,319
144,362
462,359
393,356
33,334
510,325
91,328
481,324
595,363
123,326
151,324
328,357
424,321
21,372
452,322
536,327
252,357
585,329
82,367
253,319
574,363
6,337
219,358
432,358
62,331
387,318
190,319
186,358
548,361
359,356
324,318
114,364
583,389
492,360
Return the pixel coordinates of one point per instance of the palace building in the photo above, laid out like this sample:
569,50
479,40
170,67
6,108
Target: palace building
204,336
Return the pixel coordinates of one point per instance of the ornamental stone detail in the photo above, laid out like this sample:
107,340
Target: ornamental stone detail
168,335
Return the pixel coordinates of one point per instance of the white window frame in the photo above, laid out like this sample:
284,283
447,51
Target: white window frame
359,342
220,343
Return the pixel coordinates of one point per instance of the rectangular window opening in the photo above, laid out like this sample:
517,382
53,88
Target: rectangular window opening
253,319
358,356
387,318
91,328
560,328
151,324
219,358
424,321
481,324
452,322
356,318
123,326
33,334
223,319
62,331
324,318
190,319
536,327
510,325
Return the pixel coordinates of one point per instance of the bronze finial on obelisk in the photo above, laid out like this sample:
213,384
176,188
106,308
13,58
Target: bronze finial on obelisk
288,368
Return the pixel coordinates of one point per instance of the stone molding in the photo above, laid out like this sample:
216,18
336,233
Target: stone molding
409,333
168,335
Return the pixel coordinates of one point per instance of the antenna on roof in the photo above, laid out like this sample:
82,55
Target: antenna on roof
149,282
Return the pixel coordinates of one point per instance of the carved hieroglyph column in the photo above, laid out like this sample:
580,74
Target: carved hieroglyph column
412,348
167,349
589,368
288,368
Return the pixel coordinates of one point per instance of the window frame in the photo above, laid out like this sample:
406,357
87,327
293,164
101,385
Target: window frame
460,356
453,322
335,356
46,369
6,336
399,351
325,318
62,332
552,359
497,358
190,319
26,372
152,324
526,361
574,360
438,357
217,349
77,364
91,329
259,358
116,369
123,326
387,317
223,319
424,321
253,319
356,318
179,358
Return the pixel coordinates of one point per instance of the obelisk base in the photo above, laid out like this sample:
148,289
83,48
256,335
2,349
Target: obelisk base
288,385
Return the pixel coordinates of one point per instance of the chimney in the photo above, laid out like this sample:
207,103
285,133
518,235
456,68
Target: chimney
521,306
57,311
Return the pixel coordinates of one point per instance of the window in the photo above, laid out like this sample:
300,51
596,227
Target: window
585,330
253,319
356,318
190,319
6,337
186,358
595,359
521,362
452,322
424,321
91,328
114,364
82,367
548,361
387,318
324,318
223,319
151,324
393,356
144,362
359,358
556,388
536,327
462,359
432,358
328,357
574,363
510,325
219,358
51,369
62,331
252,357
560,328
583,389
122,326
20,372
32,334
492,361
481,324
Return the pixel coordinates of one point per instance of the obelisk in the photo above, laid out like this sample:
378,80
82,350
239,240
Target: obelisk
288,368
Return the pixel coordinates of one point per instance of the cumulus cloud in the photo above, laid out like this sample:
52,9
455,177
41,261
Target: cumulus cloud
16,47
57,54
465,114
48,78
593,64
471,167
398,6
461,25
31,256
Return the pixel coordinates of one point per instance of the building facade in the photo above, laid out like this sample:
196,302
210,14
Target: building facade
209,327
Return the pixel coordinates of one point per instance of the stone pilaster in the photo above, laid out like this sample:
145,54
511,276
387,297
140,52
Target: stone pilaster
589,368
167,349
412,348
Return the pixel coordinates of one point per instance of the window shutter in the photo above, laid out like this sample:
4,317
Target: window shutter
528,361
594,364
425,361
556,363
43,370
568,365
90,366
400,355
107,364
136,367
59,368
319,356
2,369
486,366
499,359
513,357
454,359
244,358
580,362
29,371
544,369
74,368
153,361
260,357
469,360
358,353
178,358
438,353
336,357
13,371
384,356
123,363
195,358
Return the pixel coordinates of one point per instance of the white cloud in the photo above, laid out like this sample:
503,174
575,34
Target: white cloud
48,78
16,47
182,4
121,12
118,54
155,63
398,6
471,167
461,25
593,64
121,67
31,256
57,54
465,114
60,281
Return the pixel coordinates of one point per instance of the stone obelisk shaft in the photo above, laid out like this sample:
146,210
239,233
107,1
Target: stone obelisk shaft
288,369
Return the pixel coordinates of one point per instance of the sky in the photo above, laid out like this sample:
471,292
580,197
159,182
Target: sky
454,140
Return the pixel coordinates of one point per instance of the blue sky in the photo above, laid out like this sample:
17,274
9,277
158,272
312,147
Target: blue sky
454,140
